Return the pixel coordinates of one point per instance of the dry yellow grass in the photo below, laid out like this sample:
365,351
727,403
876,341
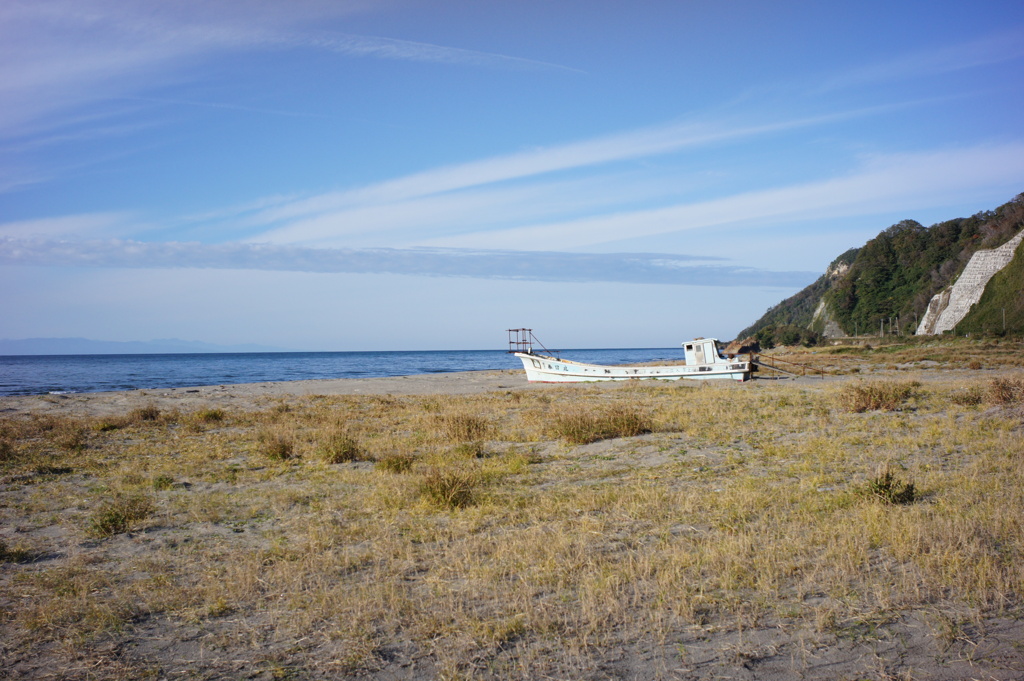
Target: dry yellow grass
497,549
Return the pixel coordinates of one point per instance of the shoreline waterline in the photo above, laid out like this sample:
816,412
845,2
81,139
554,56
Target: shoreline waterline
76,374
254,396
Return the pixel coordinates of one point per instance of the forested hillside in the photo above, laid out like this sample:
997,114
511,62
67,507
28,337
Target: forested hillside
895,275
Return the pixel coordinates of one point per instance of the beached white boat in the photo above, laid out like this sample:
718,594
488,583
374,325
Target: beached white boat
703,362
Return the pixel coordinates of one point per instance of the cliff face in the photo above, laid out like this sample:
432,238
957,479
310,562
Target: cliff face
804,309
823,323
906,274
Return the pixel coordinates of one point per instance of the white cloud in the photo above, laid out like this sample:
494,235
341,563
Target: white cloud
404,222
56,55
992,49
885,182
553,266
389,48
86,226
326,217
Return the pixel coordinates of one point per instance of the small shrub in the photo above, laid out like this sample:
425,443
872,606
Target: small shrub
72,439
120,515
1006,391
974,364
65,433
162,482
450,488
878,396
968,397
889,489
210,415
147,413
462,427
471,450
107,425
46,469
396,463
504,630
9,555
132,480
340,448
219,608
581,427
277,446
7,450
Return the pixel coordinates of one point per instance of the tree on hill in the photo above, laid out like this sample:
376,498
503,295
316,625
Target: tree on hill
896,274
786,334
798,310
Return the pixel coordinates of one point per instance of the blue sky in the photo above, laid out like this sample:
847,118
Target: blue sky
357,175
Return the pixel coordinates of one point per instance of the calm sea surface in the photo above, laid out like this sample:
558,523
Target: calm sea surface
40,374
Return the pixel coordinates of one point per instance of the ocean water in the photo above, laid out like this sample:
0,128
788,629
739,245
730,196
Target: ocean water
41,374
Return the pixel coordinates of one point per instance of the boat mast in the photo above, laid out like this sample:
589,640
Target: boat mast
522,340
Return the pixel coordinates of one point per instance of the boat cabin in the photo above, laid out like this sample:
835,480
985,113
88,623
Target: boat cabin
703,351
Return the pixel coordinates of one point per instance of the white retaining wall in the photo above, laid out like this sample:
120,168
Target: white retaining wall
947,308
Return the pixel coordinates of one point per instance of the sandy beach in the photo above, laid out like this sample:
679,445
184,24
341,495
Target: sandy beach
250,396
473,525
245,396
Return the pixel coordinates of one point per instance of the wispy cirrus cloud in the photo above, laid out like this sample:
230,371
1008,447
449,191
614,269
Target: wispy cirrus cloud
633,268
390,48
398,222
882,183
469,206
325,217
1001,47
83,226
61,54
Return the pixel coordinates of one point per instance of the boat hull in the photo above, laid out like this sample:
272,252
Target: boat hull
544,369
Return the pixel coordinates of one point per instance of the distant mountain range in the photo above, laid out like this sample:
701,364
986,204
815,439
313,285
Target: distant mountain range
85,346
964,275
